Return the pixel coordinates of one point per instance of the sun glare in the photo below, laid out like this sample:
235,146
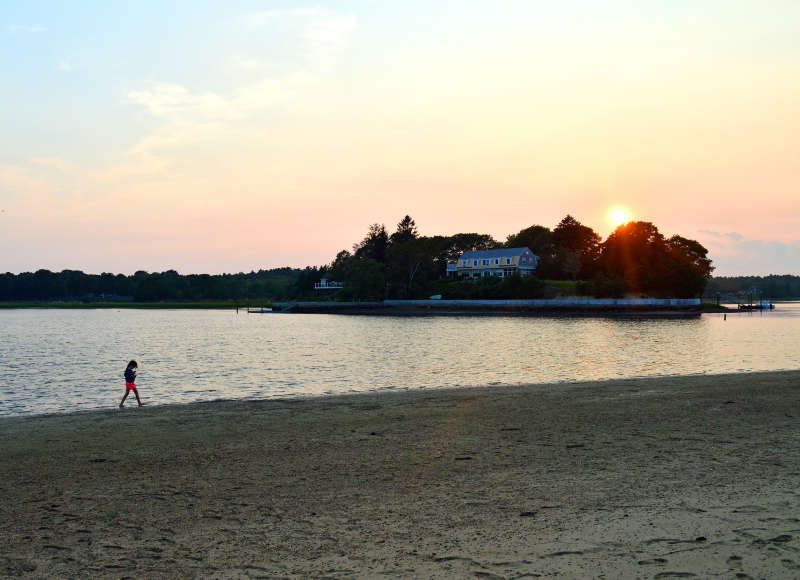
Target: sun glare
618,216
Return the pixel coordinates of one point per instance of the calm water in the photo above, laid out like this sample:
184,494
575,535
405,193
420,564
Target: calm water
62,360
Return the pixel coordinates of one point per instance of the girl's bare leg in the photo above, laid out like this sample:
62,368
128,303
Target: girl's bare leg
127,392
138,400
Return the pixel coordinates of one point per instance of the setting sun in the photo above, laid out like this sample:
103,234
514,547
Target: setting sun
618,216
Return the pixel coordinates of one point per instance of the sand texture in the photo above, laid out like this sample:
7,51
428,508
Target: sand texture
652,478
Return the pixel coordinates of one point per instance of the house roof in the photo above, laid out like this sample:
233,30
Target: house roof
502,253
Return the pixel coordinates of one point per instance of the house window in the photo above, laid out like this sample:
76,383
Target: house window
474,262
485,262
508,261
465,262
496,261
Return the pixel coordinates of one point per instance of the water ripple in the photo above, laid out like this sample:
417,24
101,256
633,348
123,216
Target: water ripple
63,360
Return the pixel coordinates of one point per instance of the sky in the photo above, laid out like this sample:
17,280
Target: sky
232,136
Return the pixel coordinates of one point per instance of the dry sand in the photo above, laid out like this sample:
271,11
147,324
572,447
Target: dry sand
651,478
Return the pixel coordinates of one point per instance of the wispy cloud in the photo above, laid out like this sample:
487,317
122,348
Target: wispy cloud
728,235
260,18
324,30
26,28
179,104
173,100
193,115
64,65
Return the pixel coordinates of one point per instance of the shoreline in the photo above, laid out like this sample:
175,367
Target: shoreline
622,307
646,477
403,391
216,305
555,307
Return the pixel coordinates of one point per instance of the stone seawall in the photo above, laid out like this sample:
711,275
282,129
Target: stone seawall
568,305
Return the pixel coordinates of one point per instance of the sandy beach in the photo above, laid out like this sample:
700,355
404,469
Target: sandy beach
648,478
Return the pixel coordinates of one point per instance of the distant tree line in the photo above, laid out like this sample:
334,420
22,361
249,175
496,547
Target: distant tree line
44,285
635,259
773,287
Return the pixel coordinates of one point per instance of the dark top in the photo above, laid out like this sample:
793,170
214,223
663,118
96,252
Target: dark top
130,375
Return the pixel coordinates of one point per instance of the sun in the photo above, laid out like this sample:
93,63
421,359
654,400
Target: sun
618,215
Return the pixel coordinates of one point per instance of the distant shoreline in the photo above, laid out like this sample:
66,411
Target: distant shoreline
213,305
390,308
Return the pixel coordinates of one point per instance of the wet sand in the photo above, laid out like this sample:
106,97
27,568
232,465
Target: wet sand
650,478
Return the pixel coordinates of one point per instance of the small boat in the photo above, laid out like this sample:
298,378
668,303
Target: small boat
760,305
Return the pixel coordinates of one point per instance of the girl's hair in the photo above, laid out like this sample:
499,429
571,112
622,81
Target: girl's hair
132,364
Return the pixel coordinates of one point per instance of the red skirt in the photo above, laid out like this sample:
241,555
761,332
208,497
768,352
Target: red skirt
130,386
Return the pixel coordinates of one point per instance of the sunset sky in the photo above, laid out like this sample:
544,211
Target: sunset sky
232,136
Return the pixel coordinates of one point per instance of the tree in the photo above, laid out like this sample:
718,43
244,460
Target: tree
690,267
374,244
365,280
450,248
635,252
538,239
304,284
638,254
409,265
581,241
406,231
447,249
338,268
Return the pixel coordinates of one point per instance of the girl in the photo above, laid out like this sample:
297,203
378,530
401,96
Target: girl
130,385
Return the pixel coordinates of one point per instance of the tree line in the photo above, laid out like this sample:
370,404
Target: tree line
773,287
44,285
635,259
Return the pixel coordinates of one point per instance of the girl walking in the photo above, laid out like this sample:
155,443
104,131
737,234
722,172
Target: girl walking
130,383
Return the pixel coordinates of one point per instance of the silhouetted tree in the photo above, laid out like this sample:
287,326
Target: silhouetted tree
365,279
374,244
406,231
638,254
580,242
689,267
538,239
447,249
409,266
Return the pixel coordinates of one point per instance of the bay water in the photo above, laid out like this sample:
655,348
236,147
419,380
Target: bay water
60,360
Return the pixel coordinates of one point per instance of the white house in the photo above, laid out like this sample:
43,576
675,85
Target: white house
502,263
